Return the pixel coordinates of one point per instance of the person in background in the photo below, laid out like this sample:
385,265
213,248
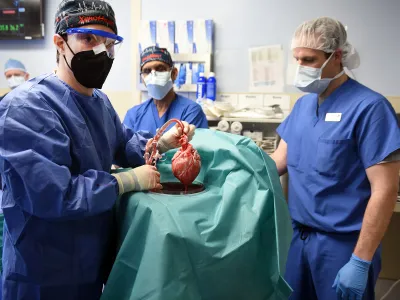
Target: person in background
15,73
159,74
340,146
59,137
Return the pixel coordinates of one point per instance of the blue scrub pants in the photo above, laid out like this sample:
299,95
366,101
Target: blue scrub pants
314,260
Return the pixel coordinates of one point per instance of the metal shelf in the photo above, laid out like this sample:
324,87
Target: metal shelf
213,119
186,88
193,57
248,120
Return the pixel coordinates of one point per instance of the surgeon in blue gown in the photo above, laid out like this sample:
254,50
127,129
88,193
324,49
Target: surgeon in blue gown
158,73
59,136
340,146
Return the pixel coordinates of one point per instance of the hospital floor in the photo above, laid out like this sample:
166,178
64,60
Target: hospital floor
381,288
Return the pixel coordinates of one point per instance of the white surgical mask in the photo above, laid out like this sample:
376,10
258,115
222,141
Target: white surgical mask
15,81
308,79
158,84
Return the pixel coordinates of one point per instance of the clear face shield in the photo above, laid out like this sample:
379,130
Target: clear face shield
97,40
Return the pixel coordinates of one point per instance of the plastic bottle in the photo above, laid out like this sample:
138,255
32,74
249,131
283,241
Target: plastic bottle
211,87
201,86
182,75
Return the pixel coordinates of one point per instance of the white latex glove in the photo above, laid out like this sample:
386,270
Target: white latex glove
170,139
138,179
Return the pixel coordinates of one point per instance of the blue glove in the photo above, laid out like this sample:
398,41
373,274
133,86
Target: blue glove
351,280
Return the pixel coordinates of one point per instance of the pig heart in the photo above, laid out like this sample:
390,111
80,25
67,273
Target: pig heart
186,164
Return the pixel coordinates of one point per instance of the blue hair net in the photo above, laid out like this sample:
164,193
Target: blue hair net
13,64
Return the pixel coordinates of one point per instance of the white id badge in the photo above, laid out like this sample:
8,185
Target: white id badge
333,117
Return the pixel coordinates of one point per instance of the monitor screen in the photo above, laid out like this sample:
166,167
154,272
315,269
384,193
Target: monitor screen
21,19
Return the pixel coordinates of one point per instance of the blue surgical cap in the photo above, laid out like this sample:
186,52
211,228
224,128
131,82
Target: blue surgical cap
154,53
13,64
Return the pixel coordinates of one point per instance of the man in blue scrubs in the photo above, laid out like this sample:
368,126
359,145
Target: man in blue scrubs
59,136
15,73
340,146
159,74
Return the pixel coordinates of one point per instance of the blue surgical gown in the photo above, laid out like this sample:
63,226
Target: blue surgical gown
328,187
2,97
145,115
56,150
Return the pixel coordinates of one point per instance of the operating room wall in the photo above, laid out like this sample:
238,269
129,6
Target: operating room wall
39,56
372,28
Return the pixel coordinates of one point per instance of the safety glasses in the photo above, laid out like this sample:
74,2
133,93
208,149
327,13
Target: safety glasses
93,38
156,69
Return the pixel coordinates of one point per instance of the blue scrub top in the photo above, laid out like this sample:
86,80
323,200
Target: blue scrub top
328,186
145,115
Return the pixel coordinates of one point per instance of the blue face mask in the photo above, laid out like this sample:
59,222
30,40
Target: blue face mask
158,84
309,79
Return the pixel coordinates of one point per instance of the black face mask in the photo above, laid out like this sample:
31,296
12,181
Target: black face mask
90,69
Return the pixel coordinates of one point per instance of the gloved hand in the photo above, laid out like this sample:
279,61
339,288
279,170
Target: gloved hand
170,139
351,280
138,179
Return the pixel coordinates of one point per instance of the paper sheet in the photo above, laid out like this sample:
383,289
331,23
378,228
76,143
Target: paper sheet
266,69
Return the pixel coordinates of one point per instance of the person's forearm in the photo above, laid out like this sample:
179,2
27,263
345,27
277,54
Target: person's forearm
280,165
376,221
